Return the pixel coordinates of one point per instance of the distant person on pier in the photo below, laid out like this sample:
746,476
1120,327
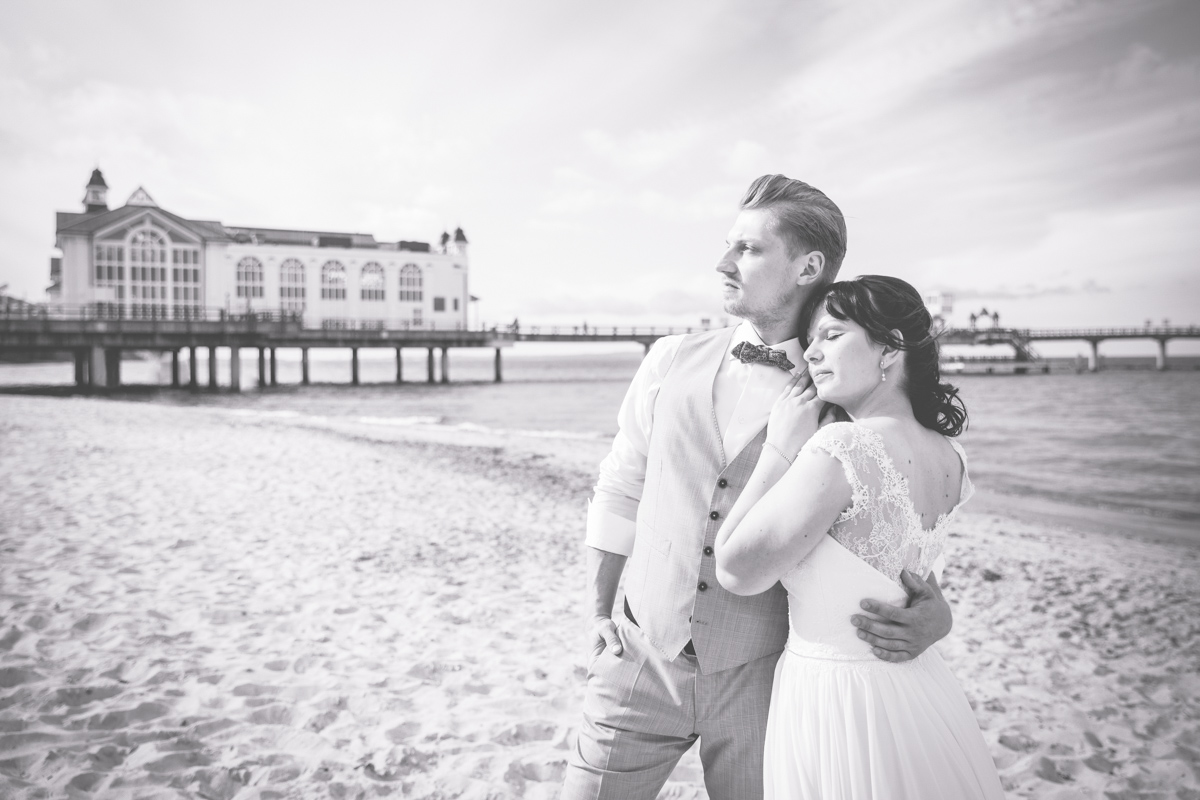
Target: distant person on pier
688,660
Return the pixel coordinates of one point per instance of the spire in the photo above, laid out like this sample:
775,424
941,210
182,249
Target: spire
459,236
96,196
445,240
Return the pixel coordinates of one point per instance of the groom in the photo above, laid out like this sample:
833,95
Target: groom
690,660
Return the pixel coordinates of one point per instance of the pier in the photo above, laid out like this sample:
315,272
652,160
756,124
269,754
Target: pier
96,341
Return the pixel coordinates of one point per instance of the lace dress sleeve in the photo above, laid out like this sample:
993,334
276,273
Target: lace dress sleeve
881,526
838,440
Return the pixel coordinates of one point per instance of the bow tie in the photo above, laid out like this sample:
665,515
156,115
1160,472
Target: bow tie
749,353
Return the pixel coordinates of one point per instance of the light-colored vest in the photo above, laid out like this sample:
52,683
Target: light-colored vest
670,581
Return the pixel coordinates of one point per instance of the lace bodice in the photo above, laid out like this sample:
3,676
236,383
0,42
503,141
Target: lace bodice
881,525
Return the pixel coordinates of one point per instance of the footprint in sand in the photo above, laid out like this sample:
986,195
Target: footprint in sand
115,720
403,732
15,676
75,696
522,732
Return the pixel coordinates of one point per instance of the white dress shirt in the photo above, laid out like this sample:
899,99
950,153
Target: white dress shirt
742,398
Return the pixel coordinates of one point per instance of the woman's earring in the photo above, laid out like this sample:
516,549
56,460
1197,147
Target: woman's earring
882,372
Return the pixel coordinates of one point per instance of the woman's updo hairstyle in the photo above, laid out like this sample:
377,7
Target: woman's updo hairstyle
882,305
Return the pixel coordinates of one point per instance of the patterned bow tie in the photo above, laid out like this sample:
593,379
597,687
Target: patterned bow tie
761,354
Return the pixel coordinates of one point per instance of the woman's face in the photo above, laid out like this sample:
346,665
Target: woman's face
843,360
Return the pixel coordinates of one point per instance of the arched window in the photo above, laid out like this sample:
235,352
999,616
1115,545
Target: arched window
291,285
372,281
147,274
410,284
333,281
249,277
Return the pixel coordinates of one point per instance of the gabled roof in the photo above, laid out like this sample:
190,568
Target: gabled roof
141,197
84,224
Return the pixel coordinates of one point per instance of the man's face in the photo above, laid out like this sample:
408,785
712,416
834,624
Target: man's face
759,278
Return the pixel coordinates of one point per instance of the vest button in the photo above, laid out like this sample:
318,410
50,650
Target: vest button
722,483
702,586
714,515
708,551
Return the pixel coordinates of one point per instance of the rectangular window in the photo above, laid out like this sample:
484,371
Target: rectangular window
120,273
195,276
120,292
456,304
135,291
110,271
439,304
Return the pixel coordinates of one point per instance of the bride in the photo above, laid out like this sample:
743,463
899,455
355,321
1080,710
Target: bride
838,512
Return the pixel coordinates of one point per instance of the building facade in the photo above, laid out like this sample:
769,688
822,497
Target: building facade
140,261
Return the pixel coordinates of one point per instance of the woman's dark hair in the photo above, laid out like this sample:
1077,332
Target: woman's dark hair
883,305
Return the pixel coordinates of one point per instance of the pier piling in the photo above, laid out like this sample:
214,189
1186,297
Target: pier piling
97,368
354,366
499,376
274,373
399,366
112,363
235,368
445,365
262,367
212,368
429,365
193,377
81,368
175,368
1160,358
304,365
1094,361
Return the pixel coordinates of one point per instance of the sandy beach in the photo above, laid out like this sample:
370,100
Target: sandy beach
221,603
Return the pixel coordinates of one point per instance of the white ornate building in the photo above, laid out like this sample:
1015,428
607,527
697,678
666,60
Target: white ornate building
141,261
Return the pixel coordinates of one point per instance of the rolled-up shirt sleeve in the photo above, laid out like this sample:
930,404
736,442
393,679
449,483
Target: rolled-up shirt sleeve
612,511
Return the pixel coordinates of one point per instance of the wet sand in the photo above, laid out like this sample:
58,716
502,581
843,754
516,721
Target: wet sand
219,603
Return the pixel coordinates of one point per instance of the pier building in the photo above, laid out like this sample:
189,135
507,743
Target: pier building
140,261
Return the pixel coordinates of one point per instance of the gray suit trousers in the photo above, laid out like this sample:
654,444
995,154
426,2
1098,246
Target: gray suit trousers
642,713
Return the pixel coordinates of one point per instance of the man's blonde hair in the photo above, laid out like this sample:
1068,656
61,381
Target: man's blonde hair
805,218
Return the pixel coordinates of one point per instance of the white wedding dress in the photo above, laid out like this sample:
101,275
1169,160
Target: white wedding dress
844,724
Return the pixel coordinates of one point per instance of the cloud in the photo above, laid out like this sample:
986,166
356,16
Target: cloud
1025,291
643,150
663,304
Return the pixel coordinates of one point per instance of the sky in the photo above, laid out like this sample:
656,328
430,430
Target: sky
1037,158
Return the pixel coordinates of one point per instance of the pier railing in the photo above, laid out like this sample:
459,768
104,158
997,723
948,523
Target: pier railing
101,312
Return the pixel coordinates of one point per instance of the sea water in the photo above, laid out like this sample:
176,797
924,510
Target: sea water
1119,439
